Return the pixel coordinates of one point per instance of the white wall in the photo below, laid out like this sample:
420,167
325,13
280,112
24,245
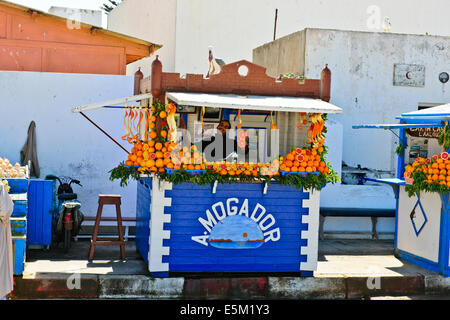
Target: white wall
235,27
92,17
362,66
67,144
151,20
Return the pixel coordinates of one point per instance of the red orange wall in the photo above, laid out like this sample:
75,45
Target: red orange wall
44,43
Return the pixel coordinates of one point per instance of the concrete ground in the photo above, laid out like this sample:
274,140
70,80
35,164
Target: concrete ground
347,269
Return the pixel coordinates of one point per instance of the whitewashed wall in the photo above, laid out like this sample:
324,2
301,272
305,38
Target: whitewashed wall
362,66
67,144
235,27
151,20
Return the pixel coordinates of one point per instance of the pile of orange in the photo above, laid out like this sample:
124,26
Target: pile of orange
150,156
235,169
186,158
304,160
437,169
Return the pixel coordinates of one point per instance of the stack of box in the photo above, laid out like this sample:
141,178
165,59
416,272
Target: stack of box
19,194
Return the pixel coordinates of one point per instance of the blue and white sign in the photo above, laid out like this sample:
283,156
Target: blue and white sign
238,228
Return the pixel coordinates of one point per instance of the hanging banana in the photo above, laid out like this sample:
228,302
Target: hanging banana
171,110
274,126
239,126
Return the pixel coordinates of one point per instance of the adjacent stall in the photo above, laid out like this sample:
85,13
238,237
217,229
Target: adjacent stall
16,179
255,213
422,187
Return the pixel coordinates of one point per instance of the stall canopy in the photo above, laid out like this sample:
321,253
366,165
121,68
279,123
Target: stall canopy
259,103
441,112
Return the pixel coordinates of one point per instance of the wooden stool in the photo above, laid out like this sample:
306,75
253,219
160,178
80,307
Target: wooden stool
105,199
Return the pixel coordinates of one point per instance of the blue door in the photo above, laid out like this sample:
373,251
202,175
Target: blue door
40,206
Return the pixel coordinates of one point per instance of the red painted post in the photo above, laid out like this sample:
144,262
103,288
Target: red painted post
325,84
156,78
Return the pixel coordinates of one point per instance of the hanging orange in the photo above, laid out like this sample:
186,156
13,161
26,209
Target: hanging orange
163,133
153,135
162,114
158,146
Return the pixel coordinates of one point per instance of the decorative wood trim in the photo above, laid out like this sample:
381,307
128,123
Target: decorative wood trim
157,219
229,81
312,234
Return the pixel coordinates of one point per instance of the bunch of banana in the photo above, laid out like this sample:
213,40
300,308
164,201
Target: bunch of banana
171,110
316,128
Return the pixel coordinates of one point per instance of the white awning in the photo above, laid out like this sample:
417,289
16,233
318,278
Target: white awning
442,110
115,102
261,103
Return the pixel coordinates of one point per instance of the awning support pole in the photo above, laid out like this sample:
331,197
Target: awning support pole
104,132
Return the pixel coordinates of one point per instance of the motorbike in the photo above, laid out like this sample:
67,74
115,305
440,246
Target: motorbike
68,218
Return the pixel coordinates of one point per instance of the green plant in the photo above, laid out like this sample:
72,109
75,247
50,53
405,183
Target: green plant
444,137
399,150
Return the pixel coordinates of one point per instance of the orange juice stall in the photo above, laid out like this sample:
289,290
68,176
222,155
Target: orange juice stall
253,207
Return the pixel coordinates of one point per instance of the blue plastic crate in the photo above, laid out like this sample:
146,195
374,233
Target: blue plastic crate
19,227
283,173
20,209
19,244
18,185
170,171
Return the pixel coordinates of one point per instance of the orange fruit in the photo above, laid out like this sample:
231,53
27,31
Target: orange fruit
191,167
255,173
150,163
151,150
309,169
162,114
441,166
304,164
158,146
129,163
159,163
320,150
152,135
443,172
434,177
151,143
441,177
296,163
152,118
223,172
294,169
290,157
159,155
231,173
288,163
151,125
152,109
163,133
323,164
133,157
170,165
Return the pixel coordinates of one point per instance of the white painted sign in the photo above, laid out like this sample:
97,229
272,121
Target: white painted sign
230,225
409,75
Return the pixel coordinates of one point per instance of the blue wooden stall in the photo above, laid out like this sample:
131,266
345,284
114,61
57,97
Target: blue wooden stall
241,227
422,229
19,194
238,227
